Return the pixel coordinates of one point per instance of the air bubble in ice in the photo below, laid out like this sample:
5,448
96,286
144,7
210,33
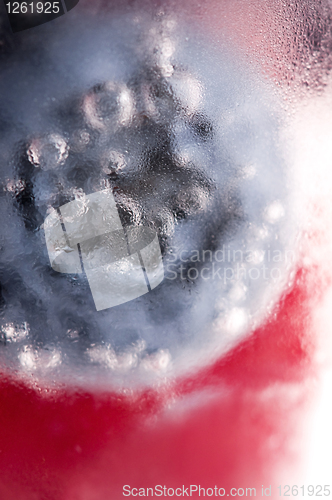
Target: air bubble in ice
109,106
32,359
48,152
157,362
14,333
236,321
274,212
113,161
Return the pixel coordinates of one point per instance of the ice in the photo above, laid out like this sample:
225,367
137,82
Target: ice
185,137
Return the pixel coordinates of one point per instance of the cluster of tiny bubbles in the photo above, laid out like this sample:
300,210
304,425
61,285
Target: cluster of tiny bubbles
186,139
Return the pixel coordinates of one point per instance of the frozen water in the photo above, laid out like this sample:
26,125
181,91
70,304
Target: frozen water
187,140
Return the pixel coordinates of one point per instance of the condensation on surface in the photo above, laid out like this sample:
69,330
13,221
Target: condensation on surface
188,137
211,123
